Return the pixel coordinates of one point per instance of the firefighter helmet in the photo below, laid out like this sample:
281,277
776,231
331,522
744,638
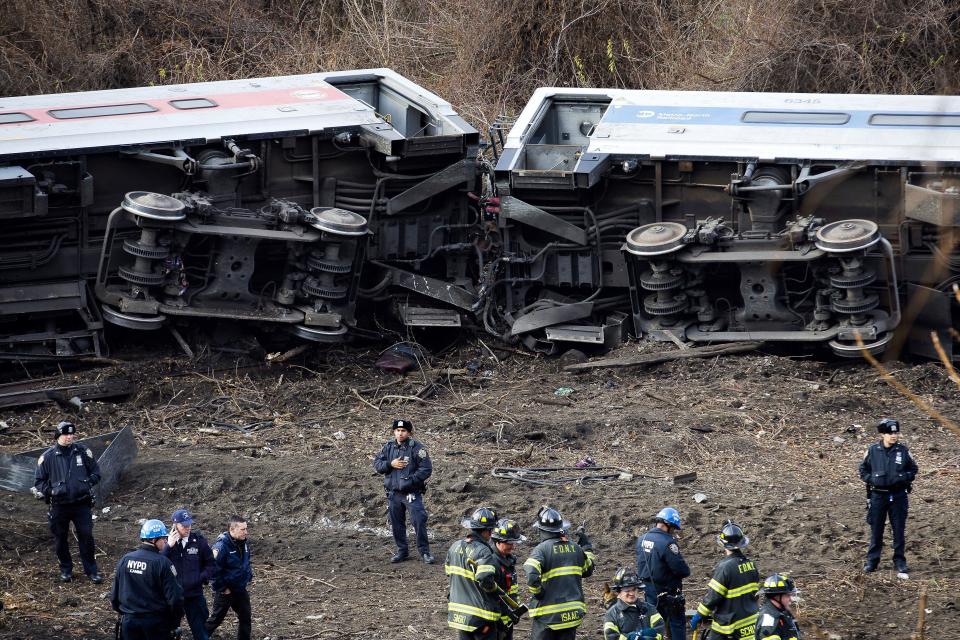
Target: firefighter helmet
623,580
551,521
732,536
508,530
482,518
777,584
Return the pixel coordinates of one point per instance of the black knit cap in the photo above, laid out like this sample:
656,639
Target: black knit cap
400,423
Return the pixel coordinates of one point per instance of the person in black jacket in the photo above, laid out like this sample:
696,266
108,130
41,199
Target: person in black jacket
888,470
232,575
405,466
661,567
65,476
730,601
191,555
145,588
775,620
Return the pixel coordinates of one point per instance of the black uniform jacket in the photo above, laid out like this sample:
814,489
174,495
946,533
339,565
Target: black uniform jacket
890,469
146,582
66,475
622,618
413,477
659,561
776,624
731,595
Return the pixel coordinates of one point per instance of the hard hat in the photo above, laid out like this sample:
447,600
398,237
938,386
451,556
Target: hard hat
482,518
152,529
888,425
551,521
507,530
65,428
400,423
668,515
777,584
732,537
624,580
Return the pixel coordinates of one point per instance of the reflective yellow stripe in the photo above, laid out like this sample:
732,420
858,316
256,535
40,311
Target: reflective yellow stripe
562,571
514,590
772,638
739,624
459,571
742,591
704,610
461,627
565,625
484,569
654,619
573,605
474,611
611,626
716,586
531,562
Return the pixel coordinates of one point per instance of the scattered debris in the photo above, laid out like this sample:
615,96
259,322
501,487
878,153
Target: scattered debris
563,392
684,478
542,476
69,396
699,498
666,356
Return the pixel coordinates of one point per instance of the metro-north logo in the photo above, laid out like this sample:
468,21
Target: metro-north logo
646,114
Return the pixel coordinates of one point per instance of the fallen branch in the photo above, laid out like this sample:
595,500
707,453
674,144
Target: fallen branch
666,356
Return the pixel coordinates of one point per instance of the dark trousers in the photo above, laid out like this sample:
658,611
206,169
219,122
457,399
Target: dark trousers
486,632
540,631
397,506
675,622
195,610
60,517
504,632
239,601
882,505
145,627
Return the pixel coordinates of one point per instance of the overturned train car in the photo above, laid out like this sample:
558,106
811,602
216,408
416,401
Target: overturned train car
327,206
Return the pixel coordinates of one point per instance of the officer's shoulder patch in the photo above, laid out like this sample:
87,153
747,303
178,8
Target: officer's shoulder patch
767,620
674,548
90,453
40,460
422,453
216,551
173,570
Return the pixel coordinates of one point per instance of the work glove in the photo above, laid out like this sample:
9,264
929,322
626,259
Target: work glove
695,620
634,635
649,632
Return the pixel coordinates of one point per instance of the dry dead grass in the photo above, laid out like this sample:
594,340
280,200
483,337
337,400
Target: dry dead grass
486,58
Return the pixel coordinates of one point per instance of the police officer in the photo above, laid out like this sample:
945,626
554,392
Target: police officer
661,567
629,617
191,555
405,465
65,476
473,608
231,576
506,536
776,621
731,594
888,470
145,588
555,571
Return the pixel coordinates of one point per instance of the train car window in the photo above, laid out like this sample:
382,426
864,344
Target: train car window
794,117
914,120
10,118
106,110
193,103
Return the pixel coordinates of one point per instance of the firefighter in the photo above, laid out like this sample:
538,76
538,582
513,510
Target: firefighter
65,476
630,617
776,621
730,599
506,535
888,470
555,571
472,606
661,567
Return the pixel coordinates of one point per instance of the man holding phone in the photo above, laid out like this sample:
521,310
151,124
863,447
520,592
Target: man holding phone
191,555
405,466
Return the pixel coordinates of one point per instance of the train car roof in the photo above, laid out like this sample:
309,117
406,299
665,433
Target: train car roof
206,111
764,126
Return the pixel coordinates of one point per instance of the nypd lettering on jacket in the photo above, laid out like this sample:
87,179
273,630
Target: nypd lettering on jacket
659,561
137,567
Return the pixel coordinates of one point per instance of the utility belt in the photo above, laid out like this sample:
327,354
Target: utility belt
672,603
891,490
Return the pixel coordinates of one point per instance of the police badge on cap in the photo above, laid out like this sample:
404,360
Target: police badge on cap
403,424
65,429
888,425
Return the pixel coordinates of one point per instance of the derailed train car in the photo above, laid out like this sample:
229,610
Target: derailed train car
314,206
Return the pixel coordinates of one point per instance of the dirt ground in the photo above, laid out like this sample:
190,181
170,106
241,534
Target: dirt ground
775,442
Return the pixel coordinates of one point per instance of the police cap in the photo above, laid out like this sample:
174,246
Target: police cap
65,429
400,423
888,425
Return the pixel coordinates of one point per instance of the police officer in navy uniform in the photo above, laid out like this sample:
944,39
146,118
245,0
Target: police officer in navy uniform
146,590
888,470
661,567
65,476
405,466
190,553
231,577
